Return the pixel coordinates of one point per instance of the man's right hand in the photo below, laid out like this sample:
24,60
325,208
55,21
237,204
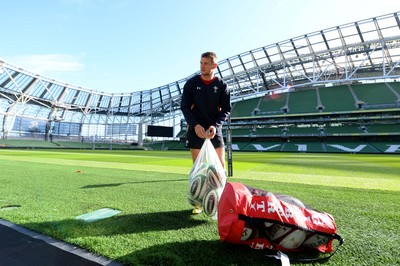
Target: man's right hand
200,132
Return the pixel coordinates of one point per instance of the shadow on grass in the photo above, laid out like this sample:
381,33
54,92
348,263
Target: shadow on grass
121,224
198,252
126,183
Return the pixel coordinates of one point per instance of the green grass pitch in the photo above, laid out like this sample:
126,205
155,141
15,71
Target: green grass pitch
155,226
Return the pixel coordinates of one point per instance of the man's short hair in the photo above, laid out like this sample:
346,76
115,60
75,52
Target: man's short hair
210,55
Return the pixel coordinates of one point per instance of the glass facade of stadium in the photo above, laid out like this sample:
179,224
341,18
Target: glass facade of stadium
37,107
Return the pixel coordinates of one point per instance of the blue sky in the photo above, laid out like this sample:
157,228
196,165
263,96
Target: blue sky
128,45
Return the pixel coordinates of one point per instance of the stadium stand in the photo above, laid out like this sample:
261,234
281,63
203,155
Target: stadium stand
337,99
360,114
261,146
333,90
307,146
272,104
304,101
383,129
246,107
350,147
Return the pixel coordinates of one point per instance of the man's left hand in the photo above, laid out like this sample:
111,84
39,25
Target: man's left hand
211,131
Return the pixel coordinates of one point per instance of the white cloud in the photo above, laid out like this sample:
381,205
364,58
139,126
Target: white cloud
48,63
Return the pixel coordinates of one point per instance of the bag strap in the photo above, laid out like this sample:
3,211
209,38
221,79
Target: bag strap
336,237
283,257
285,260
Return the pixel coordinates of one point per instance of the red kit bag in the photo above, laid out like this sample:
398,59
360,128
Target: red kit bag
264,220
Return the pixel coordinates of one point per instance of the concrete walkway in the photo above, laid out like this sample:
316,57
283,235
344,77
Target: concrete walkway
22,247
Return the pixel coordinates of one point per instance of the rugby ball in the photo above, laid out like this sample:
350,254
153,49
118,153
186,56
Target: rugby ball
249,232
315,240
196,187
268,224
198,170
291,200
214,179
210,203
194,203
286,237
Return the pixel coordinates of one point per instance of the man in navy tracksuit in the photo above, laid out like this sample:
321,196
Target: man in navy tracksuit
206,105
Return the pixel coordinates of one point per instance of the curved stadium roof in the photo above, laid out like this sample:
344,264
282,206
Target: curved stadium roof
363,50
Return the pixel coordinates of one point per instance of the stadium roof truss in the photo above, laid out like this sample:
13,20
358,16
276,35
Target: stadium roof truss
359,51
364,50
